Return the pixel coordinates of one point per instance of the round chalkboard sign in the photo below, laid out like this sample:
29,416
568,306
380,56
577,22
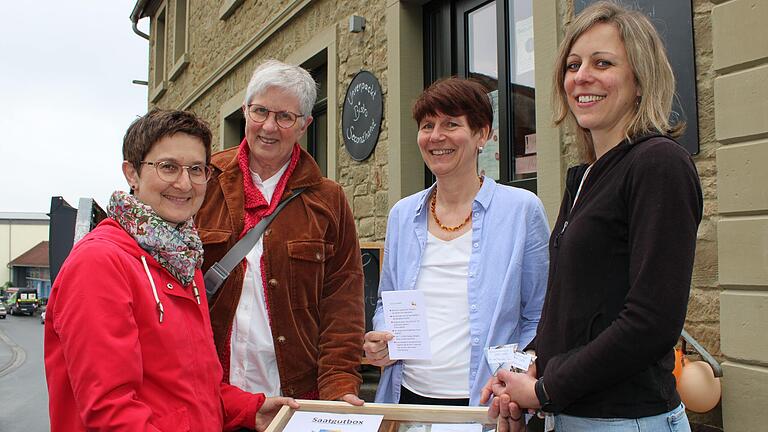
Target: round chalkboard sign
361,116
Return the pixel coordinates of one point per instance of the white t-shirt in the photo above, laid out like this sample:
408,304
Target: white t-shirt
443,280
252,362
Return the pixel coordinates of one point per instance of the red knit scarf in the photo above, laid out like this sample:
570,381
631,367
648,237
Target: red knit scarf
256,206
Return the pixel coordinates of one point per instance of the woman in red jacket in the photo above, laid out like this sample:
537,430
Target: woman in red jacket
128,341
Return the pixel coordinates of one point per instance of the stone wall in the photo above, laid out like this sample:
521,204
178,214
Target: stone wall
365,183
212,42
703,320
740,58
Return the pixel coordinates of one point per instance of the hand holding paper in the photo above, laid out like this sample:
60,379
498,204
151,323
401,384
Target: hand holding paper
406,316
508,357
376,349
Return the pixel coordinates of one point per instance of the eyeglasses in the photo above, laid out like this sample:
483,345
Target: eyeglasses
284,119
169,171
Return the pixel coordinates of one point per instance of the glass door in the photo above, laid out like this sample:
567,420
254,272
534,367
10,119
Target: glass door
491,41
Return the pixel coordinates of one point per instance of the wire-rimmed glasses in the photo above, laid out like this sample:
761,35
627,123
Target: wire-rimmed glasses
260,113
169,171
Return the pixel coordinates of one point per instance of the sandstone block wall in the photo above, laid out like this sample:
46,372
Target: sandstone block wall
214,42
740,54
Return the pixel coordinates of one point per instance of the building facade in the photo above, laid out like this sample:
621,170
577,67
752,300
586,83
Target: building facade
203,52
31,270
19,232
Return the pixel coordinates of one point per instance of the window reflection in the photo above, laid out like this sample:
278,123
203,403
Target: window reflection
499,53
522,89
483,57
484,66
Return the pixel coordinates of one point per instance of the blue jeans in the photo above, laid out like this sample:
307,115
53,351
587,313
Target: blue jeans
673,421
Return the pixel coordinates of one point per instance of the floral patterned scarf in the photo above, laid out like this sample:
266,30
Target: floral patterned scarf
178,249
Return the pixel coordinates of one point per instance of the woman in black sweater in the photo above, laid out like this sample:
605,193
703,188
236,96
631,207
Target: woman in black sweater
621,253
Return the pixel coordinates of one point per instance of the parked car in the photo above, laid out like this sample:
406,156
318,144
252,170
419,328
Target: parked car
23,301
3,312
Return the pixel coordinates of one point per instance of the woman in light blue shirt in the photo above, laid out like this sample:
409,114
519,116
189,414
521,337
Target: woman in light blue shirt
475,248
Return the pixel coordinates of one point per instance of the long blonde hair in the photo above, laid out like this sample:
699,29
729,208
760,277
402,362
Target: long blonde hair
648,60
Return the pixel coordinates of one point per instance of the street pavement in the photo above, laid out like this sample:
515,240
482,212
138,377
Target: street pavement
23,392
6,353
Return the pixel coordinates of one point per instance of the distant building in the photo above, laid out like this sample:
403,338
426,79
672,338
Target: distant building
19,232
31,269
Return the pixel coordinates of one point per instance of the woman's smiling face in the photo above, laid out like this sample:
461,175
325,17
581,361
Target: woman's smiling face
271,145
175,201
600,83
448,145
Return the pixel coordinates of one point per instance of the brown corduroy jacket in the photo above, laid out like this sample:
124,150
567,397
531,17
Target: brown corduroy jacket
312,272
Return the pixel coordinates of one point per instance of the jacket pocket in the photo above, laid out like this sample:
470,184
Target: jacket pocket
174,421
307,265
214,236
215,244
678,420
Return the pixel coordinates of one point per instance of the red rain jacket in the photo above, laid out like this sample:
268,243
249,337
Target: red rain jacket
110,363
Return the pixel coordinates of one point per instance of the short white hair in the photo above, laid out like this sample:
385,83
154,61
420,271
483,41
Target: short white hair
293,79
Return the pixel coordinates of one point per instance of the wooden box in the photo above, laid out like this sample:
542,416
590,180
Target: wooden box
394,415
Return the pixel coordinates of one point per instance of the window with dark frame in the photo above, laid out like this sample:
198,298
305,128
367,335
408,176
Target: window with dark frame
315,141
159,61
491,41
180,39
180,30
234,129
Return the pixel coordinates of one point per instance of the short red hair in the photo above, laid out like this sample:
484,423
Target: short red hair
456,97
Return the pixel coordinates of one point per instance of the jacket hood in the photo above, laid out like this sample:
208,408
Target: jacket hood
575,173
110,231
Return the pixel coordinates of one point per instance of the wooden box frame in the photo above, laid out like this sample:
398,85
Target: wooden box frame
409,413
374,245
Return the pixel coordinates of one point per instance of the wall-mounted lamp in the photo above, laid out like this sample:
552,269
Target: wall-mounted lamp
356,24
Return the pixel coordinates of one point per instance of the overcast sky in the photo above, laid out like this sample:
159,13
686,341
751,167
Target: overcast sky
66,98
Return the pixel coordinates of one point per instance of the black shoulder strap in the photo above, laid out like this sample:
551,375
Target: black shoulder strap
220,270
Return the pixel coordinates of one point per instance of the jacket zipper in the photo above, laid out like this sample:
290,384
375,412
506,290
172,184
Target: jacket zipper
556,243
560,234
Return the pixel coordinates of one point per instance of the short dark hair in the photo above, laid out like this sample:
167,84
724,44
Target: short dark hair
157,124
456,97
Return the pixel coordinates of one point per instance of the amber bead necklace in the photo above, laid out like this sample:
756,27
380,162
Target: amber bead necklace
437,220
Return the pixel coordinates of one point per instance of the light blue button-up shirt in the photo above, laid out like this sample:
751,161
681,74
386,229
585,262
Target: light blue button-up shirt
507,273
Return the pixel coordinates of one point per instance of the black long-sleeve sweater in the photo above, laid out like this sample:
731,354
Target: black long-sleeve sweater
620,272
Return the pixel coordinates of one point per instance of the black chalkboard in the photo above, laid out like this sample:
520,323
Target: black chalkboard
361,116
673,20
372,255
